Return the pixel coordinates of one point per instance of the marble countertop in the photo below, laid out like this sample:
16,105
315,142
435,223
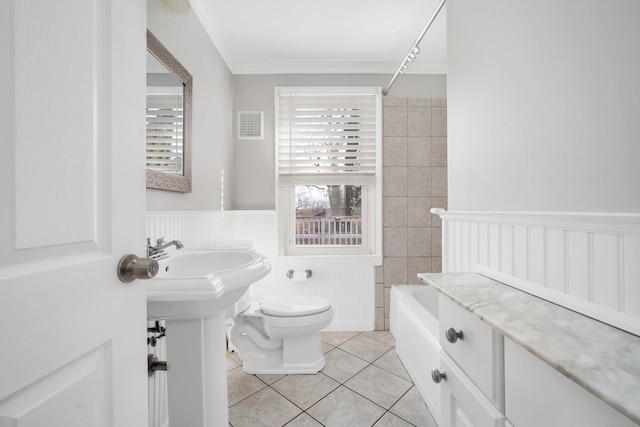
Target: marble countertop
599,357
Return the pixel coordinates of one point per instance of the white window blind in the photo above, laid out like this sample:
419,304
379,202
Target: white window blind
165,133
326,138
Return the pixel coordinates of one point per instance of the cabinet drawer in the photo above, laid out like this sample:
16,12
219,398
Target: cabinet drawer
478,351
462,404
539,395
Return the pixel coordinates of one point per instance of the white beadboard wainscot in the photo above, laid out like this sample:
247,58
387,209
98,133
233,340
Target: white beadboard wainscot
587,262
195,229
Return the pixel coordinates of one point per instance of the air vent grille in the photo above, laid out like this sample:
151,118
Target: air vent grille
250,125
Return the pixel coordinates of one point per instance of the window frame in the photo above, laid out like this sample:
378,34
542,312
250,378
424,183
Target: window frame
371,190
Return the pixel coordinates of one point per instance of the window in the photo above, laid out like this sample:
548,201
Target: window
328,167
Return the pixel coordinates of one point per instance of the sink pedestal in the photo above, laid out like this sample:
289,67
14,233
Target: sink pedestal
191,292
197,372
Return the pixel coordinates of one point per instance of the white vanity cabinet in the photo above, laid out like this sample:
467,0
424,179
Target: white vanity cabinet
511,359
488,380
472,362
539,395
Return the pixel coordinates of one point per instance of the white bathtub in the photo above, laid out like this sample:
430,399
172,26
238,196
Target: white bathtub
413,322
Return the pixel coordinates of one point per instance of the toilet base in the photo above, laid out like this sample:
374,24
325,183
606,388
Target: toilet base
277,367
296,355
279,345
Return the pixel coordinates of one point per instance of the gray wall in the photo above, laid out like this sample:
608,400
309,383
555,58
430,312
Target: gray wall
543,105
254,164
212,151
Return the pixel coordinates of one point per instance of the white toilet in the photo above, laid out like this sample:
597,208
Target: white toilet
281,334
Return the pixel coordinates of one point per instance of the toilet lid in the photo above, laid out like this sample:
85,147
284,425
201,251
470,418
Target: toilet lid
294,305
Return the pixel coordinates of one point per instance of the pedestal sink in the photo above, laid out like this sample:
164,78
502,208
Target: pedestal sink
191,292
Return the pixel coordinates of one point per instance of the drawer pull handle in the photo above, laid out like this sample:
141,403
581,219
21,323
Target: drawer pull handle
438,376
453,335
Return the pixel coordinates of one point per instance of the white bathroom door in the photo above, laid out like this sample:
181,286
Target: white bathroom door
72,336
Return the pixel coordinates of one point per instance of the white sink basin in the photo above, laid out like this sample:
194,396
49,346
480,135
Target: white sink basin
200,283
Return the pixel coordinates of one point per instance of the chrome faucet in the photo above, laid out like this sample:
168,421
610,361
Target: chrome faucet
161,245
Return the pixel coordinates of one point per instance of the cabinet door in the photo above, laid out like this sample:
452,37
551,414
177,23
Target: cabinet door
539,395
479,352
462,404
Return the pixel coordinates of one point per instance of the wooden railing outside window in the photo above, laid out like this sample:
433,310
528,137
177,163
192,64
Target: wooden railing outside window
333,230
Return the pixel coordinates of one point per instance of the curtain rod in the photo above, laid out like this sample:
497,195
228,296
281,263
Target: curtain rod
414,48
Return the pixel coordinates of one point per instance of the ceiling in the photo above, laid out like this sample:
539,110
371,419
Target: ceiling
328,36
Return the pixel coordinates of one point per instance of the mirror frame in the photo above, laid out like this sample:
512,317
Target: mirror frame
162,180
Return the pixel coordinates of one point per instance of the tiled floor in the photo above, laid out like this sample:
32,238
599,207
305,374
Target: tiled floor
363,384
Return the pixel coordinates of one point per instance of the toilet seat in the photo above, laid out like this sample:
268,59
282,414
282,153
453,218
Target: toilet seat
294,305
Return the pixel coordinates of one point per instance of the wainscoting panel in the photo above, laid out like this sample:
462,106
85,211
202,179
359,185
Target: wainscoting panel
630,274
556,260
195,229
578,275
506,248
587,262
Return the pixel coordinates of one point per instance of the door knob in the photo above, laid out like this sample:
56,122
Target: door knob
132,267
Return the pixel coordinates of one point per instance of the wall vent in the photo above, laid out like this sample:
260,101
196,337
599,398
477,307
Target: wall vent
250,124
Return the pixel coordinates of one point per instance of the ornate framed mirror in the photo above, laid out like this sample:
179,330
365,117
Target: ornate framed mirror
168,120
